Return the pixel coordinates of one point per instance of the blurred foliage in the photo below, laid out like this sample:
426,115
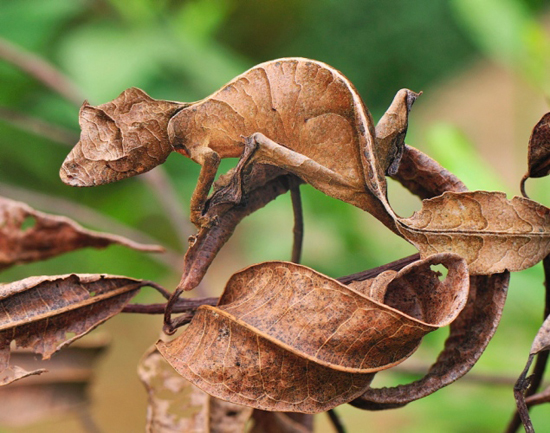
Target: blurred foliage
508,31
380,46
184,50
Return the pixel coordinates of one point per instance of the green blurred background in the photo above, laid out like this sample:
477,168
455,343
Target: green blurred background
484,68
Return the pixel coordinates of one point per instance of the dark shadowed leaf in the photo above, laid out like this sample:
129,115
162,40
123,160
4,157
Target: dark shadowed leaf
424,177
538,156
27,235
277,422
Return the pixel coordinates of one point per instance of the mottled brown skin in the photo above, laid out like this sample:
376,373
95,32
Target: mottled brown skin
301,115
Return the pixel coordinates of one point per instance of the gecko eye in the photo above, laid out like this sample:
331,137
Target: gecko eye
180,148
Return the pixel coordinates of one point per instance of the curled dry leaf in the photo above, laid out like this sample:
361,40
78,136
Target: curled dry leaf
472,330
210,239
469,335
176,405
27,235
47,313
425,177
14,373
286,338
492,233
538,156
542,339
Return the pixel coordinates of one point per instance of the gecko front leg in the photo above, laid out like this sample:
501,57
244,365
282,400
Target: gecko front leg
209,161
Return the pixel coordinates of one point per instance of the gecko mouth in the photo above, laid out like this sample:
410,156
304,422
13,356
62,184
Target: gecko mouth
73,174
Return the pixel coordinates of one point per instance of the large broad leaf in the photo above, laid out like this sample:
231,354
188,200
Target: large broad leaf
492,233
286,338
27,235
49,312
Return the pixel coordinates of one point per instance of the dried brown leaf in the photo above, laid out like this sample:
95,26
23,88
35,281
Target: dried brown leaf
49,312
542,339
471,332
469,335
175,405
210,239
327,336
424,177
538,156
119,139
492,233
14,373
27,235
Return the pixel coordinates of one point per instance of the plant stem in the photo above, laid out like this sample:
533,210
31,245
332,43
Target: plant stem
41,70
298,230
524,389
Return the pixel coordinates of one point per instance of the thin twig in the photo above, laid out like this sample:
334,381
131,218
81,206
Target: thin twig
38,127
521,416
522,185
539,398
165,193
336,421
304,419
371,273
535,380
41,70
182,306
165,293
298,230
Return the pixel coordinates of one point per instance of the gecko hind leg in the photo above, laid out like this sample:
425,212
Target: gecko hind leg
230,186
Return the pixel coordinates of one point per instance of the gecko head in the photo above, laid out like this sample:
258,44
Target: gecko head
119,139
